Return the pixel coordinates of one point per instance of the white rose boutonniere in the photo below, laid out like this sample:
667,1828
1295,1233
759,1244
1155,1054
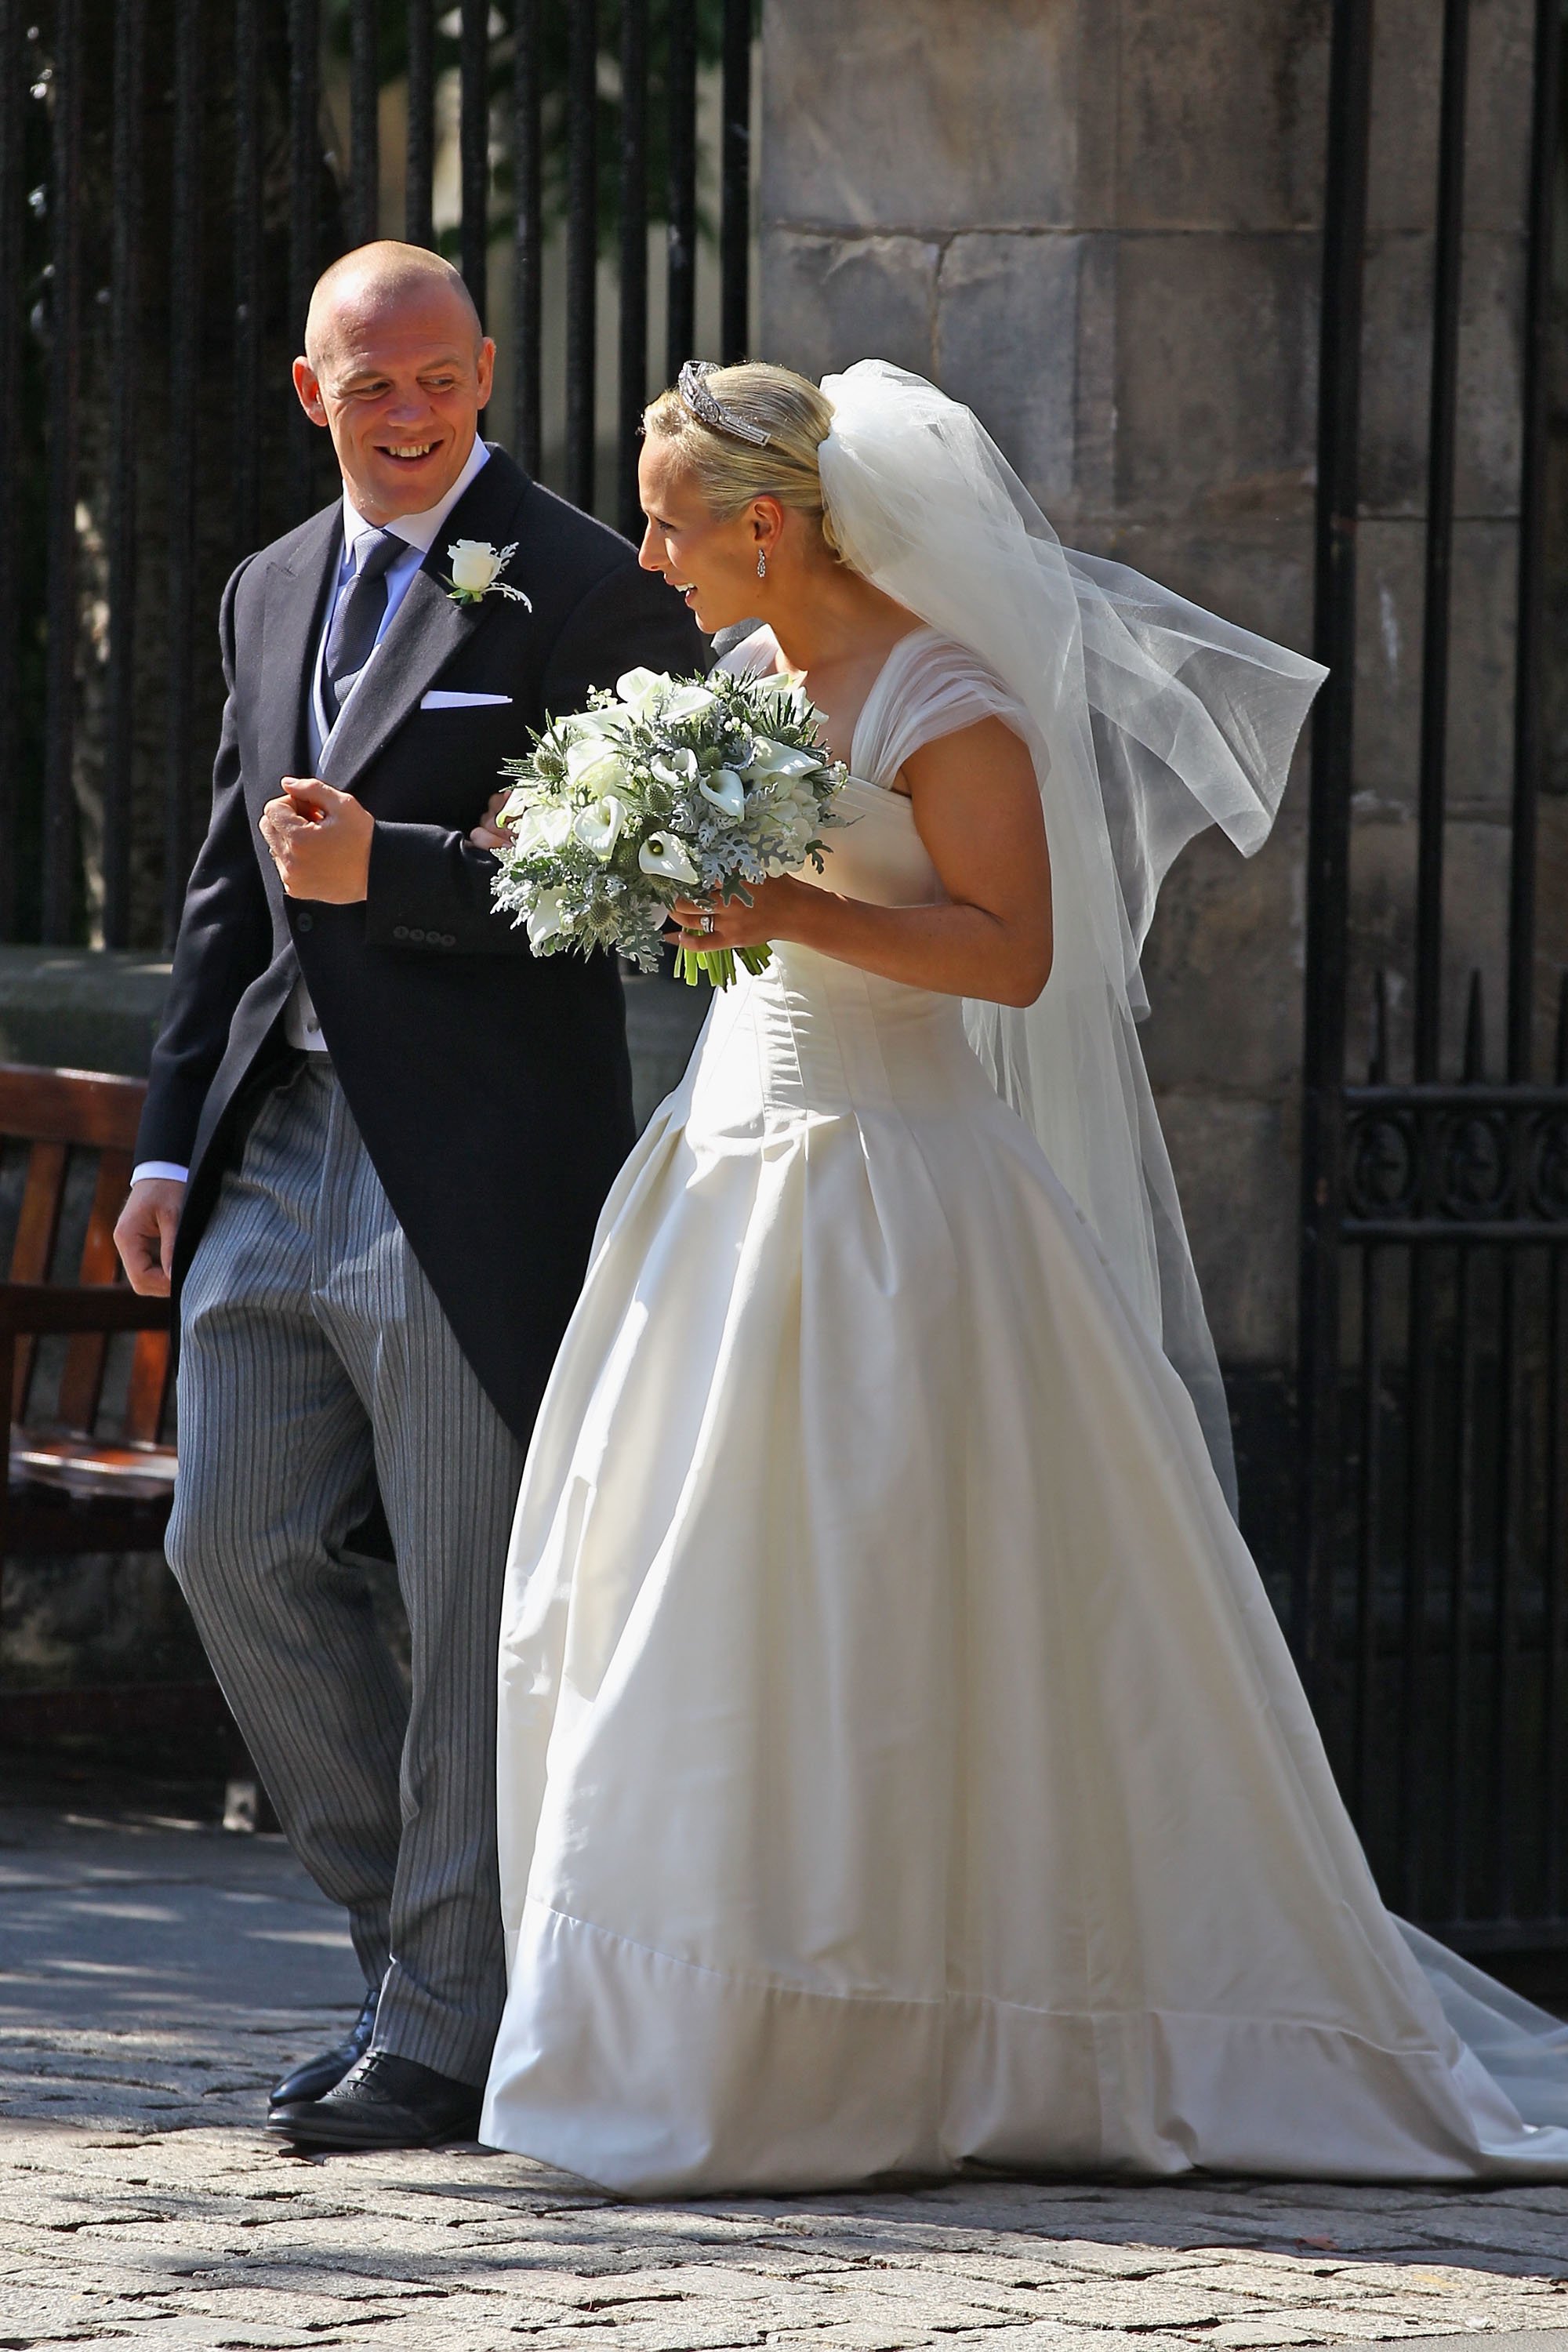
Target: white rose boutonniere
477,567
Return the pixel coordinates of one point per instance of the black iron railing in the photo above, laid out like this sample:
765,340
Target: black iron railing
1450,1632
173,175
1431,1593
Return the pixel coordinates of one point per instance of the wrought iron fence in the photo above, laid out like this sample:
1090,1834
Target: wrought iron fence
174,174
1431,1593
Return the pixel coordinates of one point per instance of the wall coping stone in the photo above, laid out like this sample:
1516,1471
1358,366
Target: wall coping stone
99,1009
81,1008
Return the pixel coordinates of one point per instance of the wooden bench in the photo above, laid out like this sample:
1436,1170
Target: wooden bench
84,1381
90,1468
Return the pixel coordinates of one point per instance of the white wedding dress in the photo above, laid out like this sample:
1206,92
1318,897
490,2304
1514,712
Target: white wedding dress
900,1763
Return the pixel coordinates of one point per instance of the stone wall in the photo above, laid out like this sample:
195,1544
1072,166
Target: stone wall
1392,538
1098,221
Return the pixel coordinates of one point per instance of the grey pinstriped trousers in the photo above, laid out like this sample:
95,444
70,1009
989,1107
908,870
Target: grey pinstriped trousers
316,1363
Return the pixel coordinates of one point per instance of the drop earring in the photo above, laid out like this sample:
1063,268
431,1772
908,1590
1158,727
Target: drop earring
762,566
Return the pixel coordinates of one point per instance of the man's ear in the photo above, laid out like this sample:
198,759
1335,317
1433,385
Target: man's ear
485,369
309,391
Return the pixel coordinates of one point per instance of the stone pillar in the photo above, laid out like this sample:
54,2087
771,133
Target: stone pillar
1098,223
1393,539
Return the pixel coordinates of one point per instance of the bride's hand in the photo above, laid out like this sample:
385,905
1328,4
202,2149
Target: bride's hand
771,916
486,834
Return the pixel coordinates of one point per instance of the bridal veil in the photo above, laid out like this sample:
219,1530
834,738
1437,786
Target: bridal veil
1148,719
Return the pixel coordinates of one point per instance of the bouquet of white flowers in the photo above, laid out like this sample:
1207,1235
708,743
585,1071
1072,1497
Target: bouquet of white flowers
670,788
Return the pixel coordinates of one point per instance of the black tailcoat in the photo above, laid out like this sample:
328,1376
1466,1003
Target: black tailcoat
492,1089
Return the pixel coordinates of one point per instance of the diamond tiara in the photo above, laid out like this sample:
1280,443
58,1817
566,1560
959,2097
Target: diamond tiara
694,393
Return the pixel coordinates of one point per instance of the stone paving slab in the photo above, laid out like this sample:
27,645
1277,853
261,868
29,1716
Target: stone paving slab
154,1978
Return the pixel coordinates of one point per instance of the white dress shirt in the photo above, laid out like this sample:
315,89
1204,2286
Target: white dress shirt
301,1027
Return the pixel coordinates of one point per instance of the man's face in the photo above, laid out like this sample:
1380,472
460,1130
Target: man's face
399,382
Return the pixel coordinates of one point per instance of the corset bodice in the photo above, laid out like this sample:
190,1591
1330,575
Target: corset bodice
813,1036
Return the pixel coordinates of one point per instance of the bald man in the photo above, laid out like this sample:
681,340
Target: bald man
377,1137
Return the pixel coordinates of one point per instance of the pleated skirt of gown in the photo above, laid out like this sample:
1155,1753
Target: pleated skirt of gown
900,1762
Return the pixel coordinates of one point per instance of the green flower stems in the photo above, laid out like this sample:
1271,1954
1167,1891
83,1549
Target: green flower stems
718,964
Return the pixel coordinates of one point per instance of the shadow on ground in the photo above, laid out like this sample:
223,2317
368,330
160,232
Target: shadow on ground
156,1974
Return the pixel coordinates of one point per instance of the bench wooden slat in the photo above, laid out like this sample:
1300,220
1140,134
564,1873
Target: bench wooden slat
81,1381
38,1223
76,1478
73,1106
40,1307
37,1228
62,1527
79,1467
69,1488
148,1387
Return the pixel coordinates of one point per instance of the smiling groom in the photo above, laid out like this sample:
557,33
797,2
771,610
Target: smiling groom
377,1137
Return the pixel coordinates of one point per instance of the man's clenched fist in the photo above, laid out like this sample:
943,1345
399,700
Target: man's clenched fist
145,1234
320,839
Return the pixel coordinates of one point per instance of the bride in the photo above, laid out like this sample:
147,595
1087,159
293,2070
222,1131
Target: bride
900,1764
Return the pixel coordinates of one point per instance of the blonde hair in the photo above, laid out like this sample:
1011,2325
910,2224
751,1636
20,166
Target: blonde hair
730,472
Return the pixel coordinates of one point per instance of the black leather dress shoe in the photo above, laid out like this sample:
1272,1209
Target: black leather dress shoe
319,2075
383,2102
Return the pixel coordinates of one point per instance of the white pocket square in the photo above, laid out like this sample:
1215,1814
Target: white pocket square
443,698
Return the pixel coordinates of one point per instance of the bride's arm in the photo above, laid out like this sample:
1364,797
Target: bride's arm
976,807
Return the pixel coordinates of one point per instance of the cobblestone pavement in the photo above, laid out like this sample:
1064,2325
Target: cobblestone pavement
155,1976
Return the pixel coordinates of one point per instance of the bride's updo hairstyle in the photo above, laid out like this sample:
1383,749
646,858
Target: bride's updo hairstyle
776,421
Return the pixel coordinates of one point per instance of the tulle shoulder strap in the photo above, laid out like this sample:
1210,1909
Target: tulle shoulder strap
752,656
930,685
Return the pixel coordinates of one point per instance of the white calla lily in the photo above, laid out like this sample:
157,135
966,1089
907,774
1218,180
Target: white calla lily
598,828
590,726
547,918
662,854
524,832
770,758
677,767
640,688
554,827
596,767
725,791
688,702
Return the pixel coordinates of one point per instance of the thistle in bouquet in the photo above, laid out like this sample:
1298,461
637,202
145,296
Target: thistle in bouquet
670,788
